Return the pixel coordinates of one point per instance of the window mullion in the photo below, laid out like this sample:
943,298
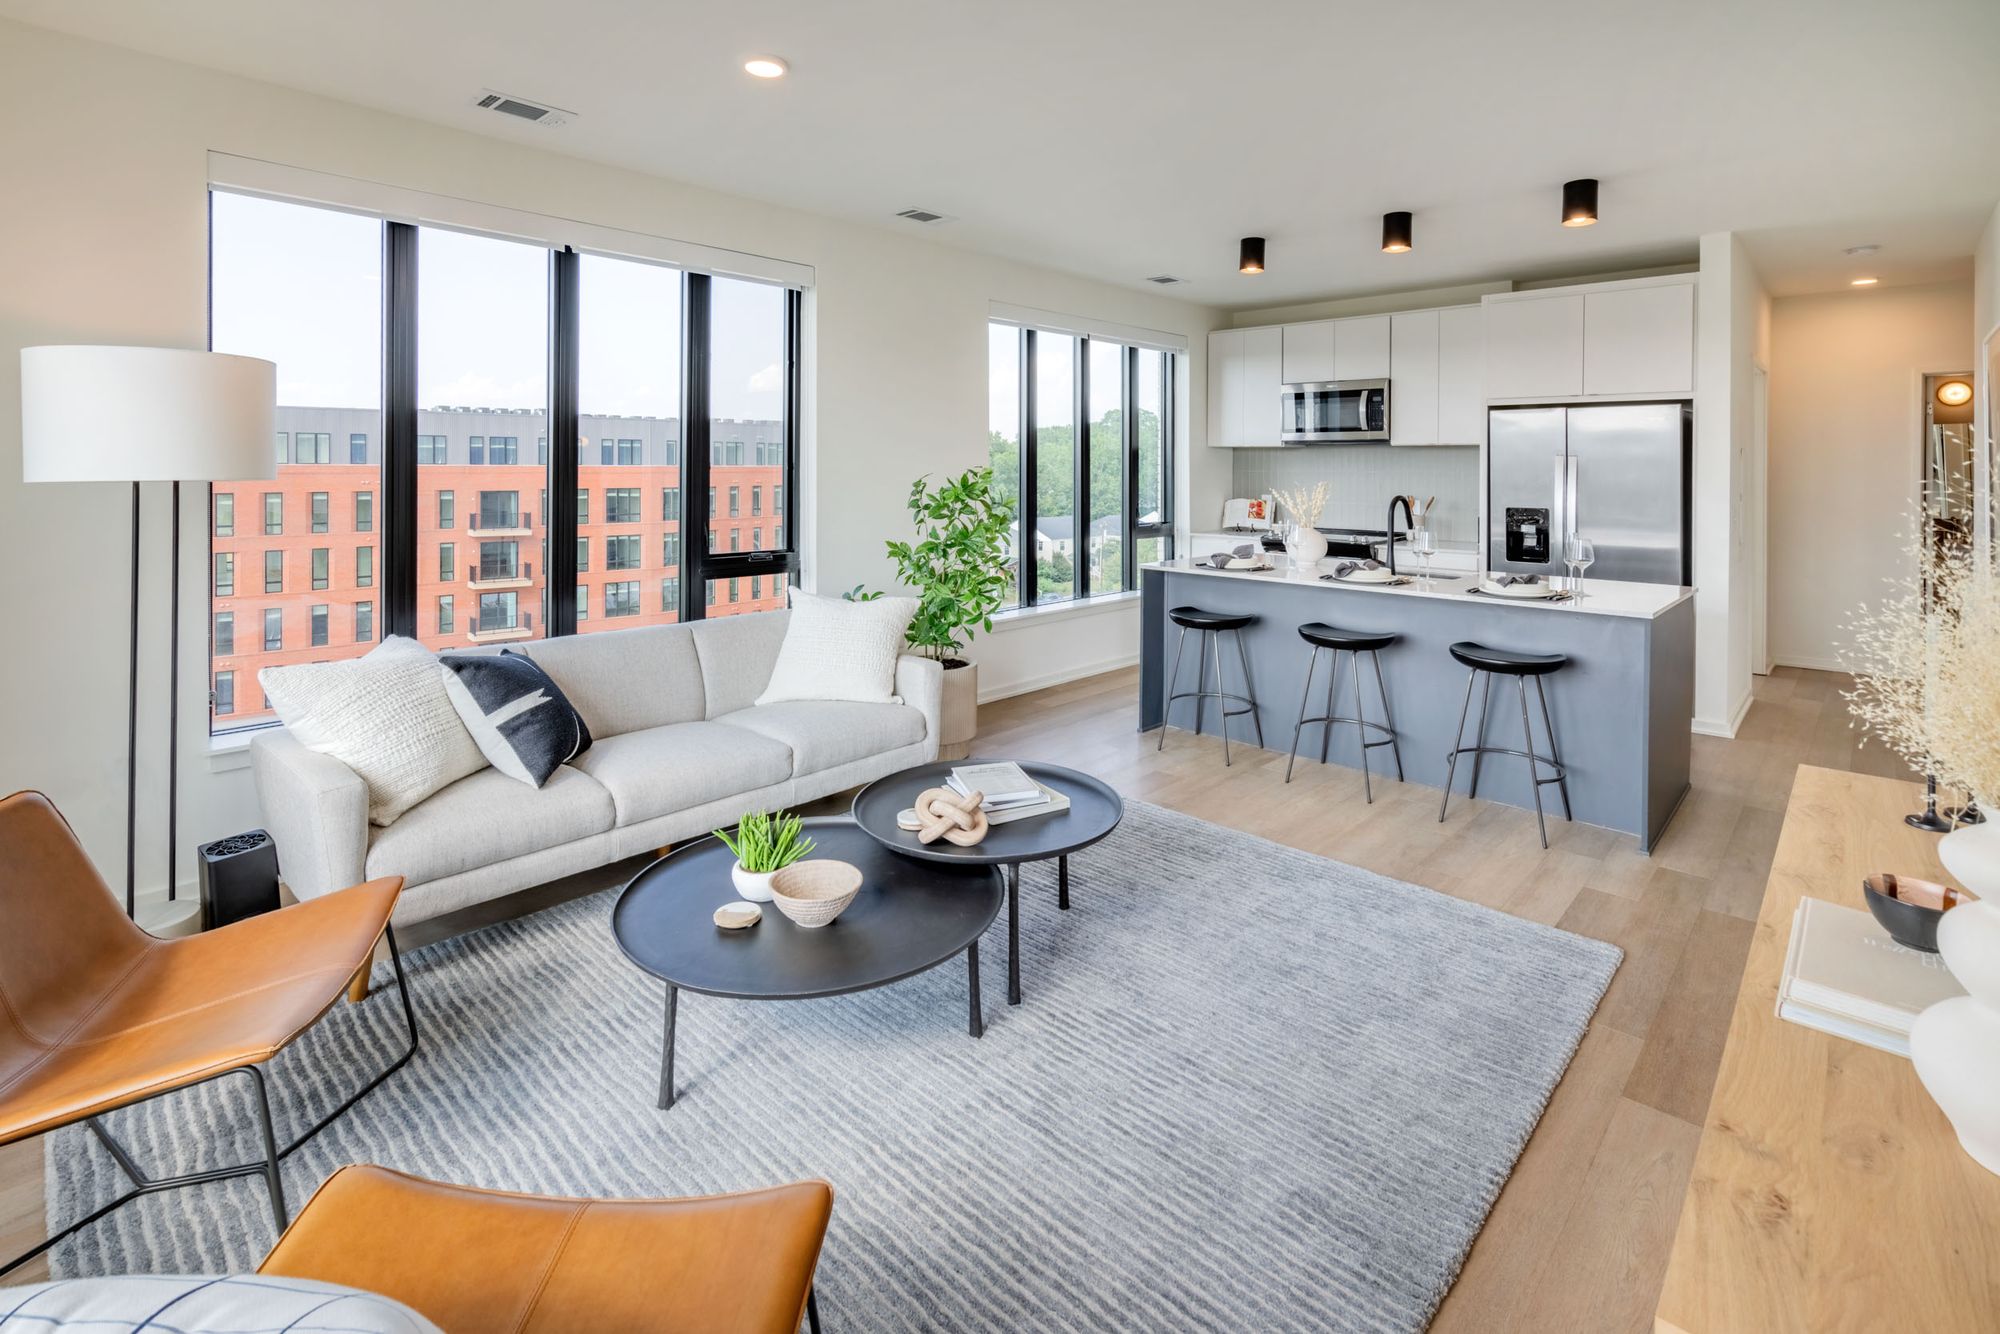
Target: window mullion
695,308
1030,520
399,429
565,362
1128,545
1080,467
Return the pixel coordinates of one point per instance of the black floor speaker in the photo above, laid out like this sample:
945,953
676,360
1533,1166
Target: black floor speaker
239,878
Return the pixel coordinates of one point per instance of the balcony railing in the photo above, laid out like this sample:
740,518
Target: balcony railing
497,578
483,635
519,524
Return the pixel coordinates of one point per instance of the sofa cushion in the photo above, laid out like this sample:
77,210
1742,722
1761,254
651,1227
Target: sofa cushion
522,722
737,654
489,818
837,649
823,734
666,769
627,680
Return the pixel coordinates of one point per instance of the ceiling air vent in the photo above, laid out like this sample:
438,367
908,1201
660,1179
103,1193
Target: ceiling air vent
924,215
1165,279
535,113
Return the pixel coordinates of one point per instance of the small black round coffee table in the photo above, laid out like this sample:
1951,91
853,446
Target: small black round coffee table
1094,811
909,916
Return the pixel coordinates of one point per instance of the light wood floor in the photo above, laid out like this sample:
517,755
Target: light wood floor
1579,1238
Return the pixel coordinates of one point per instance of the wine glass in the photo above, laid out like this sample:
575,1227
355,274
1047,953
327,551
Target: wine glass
1425,548
1578,553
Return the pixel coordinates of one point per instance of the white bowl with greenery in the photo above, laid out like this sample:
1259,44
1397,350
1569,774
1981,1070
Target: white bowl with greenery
765,843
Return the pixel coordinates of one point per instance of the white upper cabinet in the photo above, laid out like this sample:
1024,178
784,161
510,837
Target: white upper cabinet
1225,388
1413,378
1461,414
1263,382
1309,352
1534,347
1639,340
1361,348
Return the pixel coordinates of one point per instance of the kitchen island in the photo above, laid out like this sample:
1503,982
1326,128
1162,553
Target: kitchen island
1621,709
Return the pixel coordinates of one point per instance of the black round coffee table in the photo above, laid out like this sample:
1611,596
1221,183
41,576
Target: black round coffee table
909,916
1094,811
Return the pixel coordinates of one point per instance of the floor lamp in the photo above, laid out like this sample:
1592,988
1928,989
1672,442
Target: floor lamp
147,414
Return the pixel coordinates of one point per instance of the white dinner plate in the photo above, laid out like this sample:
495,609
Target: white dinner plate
1517,590
1381,576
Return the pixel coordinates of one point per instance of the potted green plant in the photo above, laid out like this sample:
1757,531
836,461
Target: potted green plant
959,567
765,842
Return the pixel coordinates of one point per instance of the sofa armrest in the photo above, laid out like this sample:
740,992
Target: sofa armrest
920,682
316,808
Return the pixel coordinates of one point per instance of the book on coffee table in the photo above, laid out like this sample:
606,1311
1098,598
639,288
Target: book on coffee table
1845,976
1051,801
1003,784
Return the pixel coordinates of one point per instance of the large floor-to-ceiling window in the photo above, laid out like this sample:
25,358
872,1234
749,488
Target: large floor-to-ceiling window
1080,435
431,382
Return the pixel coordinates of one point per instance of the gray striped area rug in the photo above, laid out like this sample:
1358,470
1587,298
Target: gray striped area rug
1249,1088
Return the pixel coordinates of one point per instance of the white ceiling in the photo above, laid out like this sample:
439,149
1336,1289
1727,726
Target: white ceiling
1120,138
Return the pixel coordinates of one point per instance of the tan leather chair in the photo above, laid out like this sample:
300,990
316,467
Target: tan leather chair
489,1262
95,1014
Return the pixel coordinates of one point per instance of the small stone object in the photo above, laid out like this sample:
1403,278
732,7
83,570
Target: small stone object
908,822
736,916
946,815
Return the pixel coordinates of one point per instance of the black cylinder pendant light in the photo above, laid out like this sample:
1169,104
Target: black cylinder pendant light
1579,202
1250,255
1395,233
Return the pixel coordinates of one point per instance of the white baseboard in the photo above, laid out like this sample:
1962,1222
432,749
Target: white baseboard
1810,664
1726,729
1008,690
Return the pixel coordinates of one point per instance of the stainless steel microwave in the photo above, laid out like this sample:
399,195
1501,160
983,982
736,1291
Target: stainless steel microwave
1335,412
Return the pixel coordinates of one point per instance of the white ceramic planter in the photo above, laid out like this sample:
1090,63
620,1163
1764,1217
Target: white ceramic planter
1306,546
1955,1044
958,719
752,885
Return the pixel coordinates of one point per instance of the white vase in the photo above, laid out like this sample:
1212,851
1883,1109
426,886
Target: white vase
1955,1044
1305,546
752,885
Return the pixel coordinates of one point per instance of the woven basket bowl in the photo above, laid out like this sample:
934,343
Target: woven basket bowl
813,893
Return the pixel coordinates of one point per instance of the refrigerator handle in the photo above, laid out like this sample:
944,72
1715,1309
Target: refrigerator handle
1569,497
1559,512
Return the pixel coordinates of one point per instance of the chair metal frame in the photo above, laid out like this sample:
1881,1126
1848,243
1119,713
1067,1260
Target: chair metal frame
1201,696
1479,750
1361,723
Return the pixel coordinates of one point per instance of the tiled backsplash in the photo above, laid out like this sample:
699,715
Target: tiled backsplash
1361,478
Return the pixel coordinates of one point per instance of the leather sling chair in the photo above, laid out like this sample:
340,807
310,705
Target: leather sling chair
487,1262
95,1014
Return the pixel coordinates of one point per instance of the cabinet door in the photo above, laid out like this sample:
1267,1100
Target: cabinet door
1461,376
1225,388
1361,348
1263,362
1413,378
1534,348
1308,353
1639,340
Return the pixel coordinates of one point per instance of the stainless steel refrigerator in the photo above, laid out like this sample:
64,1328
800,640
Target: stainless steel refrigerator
1616,474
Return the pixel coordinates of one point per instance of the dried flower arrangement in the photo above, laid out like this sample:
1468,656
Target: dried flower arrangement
1302,506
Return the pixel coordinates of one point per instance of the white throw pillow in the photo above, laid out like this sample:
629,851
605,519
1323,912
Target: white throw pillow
836,649
385,715
192,1304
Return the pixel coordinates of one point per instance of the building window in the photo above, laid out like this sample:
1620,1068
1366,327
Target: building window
582,555
274,572
274,629
364,567
364,511
621,553
446,615
621,504
735,538
364,622
312,447
225,574
225,633
757,539
732,590
447,509
670,595
430,449
622,598
497,611
274,513
500,509
735,501
317,622
503,449
620,453
284,449
756,587
322,564
756,500
583,507
225,514
447,562
225,692
710,600
670,505
357,447
475,448
499,560
711,504
541,451
670,549
322,511
583,602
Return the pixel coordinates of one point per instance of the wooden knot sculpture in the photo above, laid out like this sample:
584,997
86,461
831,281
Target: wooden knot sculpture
943,814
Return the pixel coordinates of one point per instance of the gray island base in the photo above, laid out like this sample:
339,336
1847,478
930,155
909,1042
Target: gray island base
1622,708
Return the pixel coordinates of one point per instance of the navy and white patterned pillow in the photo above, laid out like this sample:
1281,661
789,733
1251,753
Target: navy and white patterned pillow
183,1304
523,723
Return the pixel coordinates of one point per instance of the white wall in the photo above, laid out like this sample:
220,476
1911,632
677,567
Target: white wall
1846,417
104,240
1985,321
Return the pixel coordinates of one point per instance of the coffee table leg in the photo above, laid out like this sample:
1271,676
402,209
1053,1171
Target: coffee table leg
976,1024
667,1050
1014,934
1062,883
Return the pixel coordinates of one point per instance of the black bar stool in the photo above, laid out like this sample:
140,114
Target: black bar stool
1520,666
1211,624
1354,643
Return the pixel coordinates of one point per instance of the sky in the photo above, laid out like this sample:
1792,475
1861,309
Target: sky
302,287
1054,379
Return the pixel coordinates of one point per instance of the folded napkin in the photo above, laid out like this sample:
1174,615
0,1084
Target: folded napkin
1220,560
1347,567
1509,580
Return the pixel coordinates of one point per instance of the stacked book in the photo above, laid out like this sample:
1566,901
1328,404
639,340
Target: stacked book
1845,976
1009,793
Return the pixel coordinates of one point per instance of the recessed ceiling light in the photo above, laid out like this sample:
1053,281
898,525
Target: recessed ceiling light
1863,282
766,67
1954,393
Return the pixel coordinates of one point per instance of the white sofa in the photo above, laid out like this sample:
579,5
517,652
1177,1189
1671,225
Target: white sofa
679,748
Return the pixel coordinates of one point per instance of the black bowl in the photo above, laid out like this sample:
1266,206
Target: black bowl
1909,924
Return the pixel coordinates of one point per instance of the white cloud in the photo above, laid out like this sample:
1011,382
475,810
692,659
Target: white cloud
767,380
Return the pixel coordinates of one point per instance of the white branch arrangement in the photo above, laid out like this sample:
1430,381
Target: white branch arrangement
1304,506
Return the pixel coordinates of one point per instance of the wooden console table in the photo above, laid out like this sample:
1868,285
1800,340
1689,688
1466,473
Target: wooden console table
1829,1192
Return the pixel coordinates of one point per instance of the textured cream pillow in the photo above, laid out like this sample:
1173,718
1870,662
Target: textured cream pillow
385,715
836,649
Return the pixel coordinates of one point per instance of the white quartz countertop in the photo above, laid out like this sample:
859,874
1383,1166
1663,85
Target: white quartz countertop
1602,597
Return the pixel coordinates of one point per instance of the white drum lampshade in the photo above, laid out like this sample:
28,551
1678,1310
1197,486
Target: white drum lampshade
145,414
